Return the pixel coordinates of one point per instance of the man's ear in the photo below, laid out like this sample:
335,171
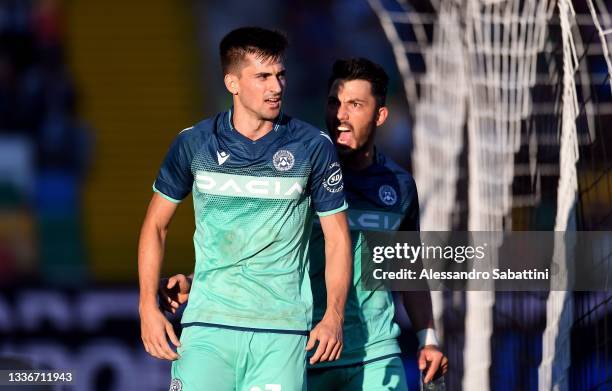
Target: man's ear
231,83
381,116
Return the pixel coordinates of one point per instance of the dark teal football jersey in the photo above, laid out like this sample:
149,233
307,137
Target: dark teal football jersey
253,203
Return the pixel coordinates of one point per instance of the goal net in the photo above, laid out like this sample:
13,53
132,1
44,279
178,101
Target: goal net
508,100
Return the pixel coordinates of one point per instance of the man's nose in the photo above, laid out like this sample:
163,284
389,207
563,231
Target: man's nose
276,85
342,113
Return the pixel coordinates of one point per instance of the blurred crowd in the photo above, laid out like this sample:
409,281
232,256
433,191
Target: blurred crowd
44,146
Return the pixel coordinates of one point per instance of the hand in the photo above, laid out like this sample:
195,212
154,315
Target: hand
432,359
153,330
173,292
329,334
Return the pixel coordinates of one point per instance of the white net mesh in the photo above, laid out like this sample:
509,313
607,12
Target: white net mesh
485,84
553,371
503,40
440,137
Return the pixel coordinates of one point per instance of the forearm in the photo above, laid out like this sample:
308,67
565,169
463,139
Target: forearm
150,256
338,274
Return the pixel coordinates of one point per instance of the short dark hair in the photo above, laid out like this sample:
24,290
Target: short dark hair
265,44
362,69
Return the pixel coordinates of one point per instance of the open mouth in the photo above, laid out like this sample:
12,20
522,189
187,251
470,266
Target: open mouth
273,102
343,135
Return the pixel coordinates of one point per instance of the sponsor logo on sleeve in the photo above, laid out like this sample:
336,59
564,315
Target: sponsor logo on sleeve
387,195
283,160
333,183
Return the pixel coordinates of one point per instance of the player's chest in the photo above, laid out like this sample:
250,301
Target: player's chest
276,170
374,206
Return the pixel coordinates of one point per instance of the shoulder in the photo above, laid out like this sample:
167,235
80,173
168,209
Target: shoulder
403,176
194,136
308,134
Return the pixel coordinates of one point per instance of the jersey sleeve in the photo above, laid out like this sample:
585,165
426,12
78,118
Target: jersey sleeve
326,184
411,220
175,178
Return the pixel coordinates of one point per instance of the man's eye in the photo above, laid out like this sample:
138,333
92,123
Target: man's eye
355,104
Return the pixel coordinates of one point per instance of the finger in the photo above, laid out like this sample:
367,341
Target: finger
312,339
172,335
334,354
319,352
171,282
331,344
146,347
153,350
169,304
422,360
165,305
433,368
444,365
169,354
339,354
163,294
166,352
164,299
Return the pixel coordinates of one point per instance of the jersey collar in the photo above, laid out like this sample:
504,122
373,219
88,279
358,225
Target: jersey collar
275,127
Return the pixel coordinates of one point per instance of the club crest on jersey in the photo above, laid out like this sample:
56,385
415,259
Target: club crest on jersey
176,385
283,160
333,182
387,195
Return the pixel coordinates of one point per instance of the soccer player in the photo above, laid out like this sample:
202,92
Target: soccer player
256,175
382,196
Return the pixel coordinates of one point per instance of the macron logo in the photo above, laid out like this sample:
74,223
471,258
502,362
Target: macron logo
222,157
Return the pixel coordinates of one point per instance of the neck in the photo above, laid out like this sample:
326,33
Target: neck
358,160
249,125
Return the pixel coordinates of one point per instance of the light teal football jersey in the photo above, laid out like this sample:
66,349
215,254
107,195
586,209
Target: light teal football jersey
382,197
253,204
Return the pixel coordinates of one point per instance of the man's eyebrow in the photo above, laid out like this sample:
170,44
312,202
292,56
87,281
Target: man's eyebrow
266,74
356,100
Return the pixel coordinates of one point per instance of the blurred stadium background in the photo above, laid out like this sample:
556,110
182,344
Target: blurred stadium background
488,100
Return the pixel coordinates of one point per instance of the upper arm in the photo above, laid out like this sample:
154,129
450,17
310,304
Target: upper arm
160,212
334,226
326,183
175,178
